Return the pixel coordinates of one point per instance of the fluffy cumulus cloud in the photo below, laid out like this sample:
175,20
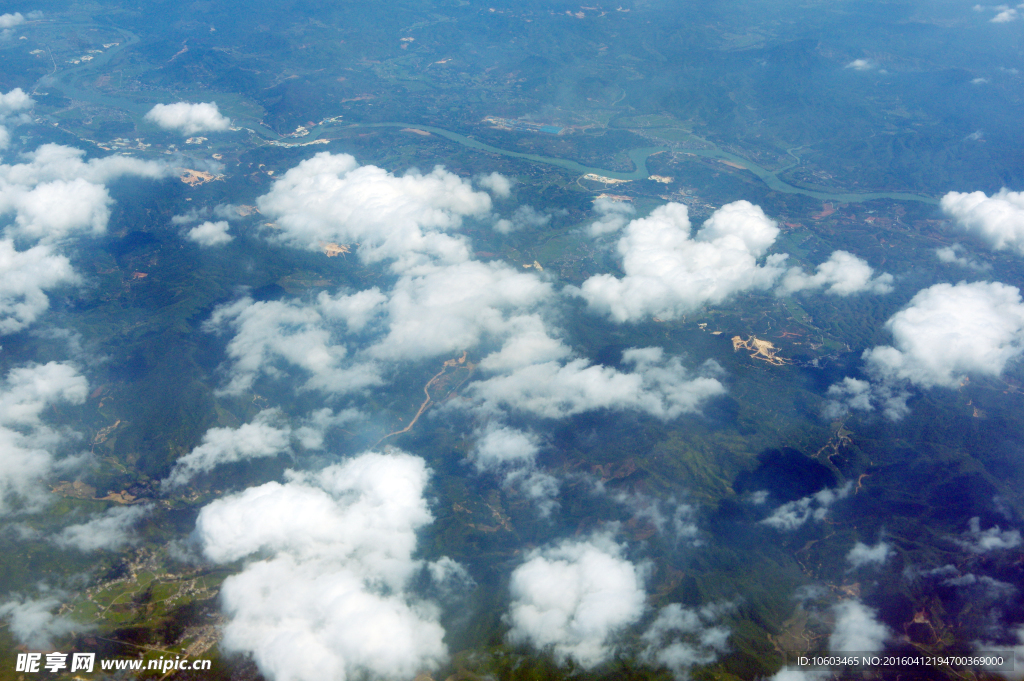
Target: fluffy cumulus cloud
658,385
326,594
111,529
10,104
28,444
795,514
861,65
998,220
954,254
946,333
850,394
992,539
681,638
189,118
670,273
331,198
862,554
53,195
33,623
267,435
843,274
14,101
573,598
613,216
500,446
448,308
857,629
25,276
268,335
667,516
10,20
524,217
1004,14
497,184
950,331
210,233
512,454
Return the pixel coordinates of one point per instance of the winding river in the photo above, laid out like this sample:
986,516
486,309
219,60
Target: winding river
71,83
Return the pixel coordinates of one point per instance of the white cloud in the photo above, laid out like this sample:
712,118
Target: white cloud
849,394
11,20
1004,14
499,446
682,638
539,487
450,308
51,162
326,592
109,530
28,444
573,598
497,184
210,233
331,198
798,675
857,629
52,196
946,333
1016,656
189,118
843,274
268,333
794,514
861,554
512,454
24,278
950,331
55,194
998,220
983,587
15,100
992,539
667,515
356,309
979,81
860,65
33,624
614,216
267,435
659,386
524,217
669,274
55,209
528,342
951,255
